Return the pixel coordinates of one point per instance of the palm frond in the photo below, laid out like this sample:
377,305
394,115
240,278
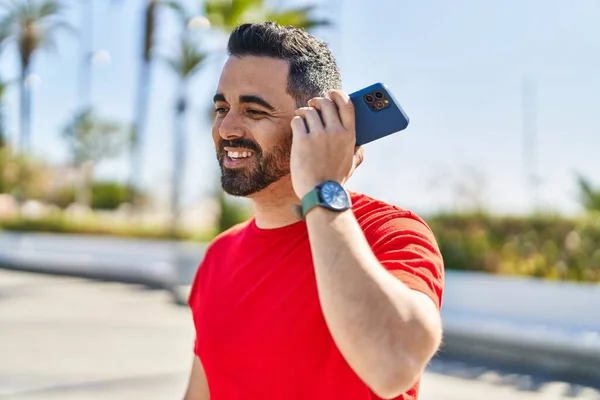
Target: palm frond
178,8
49,8
227,14
188,60
32,24
299,18
8,27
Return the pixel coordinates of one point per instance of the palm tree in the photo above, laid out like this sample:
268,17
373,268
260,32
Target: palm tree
151,11
32,25
185,64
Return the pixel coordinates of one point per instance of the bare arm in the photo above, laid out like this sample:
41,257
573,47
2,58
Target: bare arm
386,331
197,388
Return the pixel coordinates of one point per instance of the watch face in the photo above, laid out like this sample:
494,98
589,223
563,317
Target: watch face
334,195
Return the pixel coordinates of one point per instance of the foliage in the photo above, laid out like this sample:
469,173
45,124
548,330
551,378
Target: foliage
22,172
108,195
589,196
105,195
91,138
59,223
187,60
226,15
548,247
231,213
32,25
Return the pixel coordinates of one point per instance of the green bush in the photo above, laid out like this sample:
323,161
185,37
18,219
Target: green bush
108,195
231,213
58,223
548,247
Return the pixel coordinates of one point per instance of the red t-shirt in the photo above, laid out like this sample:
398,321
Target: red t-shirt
260,332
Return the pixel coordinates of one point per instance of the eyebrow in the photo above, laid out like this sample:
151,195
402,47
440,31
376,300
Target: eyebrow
248,98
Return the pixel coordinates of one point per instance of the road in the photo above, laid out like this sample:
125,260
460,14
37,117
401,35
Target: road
68,338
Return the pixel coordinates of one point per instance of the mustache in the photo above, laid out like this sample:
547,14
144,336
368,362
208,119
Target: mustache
240,143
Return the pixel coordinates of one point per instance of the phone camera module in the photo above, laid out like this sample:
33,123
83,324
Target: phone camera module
379,95
369,98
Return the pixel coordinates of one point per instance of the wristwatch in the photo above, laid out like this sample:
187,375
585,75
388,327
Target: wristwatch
329,194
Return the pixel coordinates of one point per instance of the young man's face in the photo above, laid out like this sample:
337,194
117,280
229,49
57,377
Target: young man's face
252,132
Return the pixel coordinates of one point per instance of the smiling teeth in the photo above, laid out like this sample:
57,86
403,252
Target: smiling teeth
239,154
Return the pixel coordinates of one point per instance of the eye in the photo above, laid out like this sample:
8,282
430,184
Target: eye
221,110
255,112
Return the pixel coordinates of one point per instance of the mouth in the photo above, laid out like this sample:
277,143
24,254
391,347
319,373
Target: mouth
237,157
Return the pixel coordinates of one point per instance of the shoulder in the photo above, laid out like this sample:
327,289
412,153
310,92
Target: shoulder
226,239
404,244
379,218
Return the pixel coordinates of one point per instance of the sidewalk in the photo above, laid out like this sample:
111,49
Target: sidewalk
73,339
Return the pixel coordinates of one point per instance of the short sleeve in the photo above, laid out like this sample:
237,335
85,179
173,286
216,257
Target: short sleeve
407,248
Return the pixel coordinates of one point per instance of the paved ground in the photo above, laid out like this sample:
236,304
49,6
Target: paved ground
67,338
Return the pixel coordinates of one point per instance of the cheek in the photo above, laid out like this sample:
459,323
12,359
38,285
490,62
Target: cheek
215,132
272,135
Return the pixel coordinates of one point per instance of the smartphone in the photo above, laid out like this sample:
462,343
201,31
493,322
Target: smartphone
377,113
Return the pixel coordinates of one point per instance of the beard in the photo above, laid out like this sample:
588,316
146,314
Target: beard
263,169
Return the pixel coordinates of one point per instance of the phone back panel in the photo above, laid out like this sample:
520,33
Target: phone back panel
372,122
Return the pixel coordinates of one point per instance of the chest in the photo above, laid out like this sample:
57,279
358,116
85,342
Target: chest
261,313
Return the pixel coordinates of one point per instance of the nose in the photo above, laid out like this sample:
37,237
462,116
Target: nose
231,127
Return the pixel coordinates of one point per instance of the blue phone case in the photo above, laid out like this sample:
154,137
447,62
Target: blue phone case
373,123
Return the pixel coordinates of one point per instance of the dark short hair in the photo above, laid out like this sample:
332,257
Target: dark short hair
312,67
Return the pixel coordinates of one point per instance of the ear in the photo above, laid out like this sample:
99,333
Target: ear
359,156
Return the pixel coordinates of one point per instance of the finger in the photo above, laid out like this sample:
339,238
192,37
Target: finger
312,119
298,126
345,108
329,111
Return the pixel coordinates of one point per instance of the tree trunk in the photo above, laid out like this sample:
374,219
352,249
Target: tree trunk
179,159
87,48
84,191
25,94
141,104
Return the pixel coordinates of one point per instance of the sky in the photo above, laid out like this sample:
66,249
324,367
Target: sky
457,68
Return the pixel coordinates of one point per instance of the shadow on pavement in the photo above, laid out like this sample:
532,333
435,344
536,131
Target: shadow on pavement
97,385
520,378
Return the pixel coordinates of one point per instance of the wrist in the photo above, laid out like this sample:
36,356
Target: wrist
324,214
328,195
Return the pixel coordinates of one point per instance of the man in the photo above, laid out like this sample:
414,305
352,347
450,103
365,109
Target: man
342,303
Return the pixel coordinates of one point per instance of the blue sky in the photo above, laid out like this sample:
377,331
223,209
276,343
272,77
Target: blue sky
456,67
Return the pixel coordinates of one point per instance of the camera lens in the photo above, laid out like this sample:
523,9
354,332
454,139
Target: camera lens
379,95
369,98
379,105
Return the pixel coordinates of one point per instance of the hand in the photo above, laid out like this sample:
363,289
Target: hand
328,151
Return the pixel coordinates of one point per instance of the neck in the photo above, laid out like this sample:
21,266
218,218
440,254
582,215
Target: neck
273,206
